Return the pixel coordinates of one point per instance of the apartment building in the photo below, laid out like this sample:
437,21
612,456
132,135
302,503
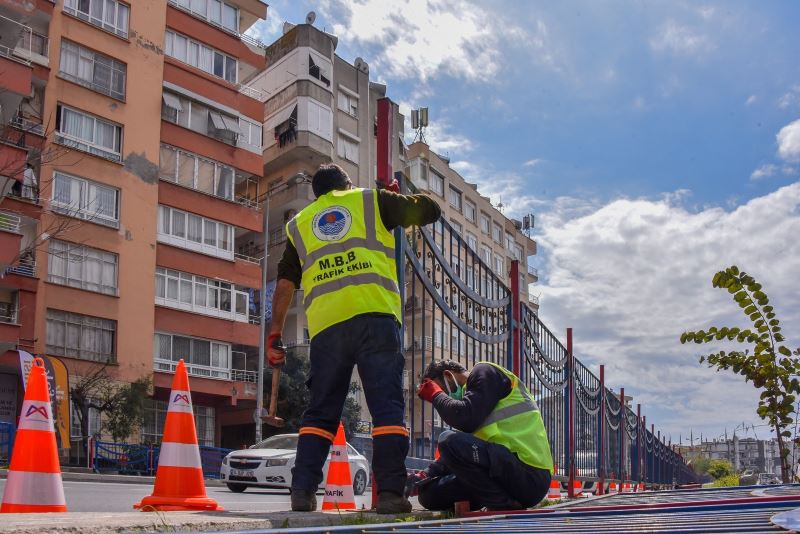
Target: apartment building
140,180
319,109
480,248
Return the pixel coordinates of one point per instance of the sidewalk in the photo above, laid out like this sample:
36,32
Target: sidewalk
100,523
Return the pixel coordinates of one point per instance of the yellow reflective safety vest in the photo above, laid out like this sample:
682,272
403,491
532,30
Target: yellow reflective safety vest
516,423
347,258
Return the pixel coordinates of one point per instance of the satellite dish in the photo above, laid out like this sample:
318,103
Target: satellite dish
361,65
311,17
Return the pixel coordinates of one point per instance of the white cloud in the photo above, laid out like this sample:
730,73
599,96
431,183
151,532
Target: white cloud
789,141
631,275
752,99
790,99
424,38
268,30
768,169
678,39
532,162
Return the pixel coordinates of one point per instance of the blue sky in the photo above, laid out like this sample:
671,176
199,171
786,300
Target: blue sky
657,142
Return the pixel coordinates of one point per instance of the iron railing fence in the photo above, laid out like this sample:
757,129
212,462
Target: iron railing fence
457,306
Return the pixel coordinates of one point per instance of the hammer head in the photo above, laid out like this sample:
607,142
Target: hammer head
273,420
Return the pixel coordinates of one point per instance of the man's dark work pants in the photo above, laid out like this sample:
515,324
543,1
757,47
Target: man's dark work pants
372,342
485,474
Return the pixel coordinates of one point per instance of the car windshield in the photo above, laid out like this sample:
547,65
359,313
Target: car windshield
277,442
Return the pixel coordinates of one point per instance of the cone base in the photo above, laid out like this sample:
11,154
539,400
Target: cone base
154,503
32,508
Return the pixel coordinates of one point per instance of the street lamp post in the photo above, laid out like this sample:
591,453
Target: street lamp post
295,180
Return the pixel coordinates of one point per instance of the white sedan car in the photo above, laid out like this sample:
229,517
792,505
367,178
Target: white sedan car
268,464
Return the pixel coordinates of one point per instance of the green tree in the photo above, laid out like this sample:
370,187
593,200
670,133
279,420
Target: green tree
293,395
719,468
700,464
770,366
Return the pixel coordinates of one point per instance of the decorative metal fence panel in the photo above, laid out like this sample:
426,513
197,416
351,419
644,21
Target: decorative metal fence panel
457,307
133,459
6,442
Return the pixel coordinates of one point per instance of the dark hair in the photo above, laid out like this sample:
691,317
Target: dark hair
436,369
328,178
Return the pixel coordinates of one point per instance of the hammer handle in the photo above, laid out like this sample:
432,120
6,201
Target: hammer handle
273,396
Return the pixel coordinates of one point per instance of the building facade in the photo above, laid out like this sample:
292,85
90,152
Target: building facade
142,153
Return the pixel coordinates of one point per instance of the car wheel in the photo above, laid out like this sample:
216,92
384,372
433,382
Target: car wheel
237,488
360,482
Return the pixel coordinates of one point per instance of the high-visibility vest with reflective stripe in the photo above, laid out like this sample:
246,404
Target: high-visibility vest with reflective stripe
516,423
347,258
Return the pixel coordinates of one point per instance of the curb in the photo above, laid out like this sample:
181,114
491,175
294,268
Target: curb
118,479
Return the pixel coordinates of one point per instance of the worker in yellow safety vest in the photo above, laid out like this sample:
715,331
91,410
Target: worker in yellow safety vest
341,251
500,459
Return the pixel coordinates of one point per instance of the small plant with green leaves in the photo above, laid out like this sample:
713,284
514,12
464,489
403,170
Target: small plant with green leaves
770,366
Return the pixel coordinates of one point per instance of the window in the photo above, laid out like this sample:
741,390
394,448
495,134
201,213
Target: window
472,241
348,102
469,210
155,415
196,172
202,357
107,14
485,223
499,265
437,182
486,255
315,71
347,148
81,266
319,120
497,233
199,55
198,294
93,70
80,336
438,338
419,173
454,196
93,428
213,11
456,226
200,118
251,137
84,199
438,227
192,232
88,133
509,242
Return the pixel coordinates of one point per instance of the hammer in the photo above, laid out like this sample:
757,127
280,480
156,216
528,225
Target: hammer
272,419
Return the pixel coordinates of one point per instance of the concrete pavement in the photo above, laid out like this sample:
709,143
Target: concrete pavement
106,507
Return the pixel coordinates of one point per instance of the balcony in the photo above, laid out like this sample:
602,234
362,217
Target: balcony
533,300
204,371
24,267
8,311
20,43
534,272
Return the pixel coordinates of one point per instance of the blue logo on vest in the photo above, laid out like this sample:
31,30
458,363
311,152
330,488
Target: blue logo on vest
332,223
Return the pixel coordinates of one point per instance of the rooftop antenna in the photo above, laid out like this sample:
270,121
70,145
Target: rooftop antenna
419,121
311,17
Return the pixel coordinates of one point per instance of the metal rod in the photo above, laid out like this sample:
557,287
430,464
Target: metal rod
262,321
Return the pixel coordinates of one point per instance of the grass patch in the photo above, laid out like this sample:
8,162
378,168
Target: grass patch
726,481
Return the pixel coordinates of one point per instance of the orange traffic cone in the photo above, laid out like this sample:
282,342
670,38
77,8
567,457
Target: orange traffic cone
179,478
34,476
554,493
626,487
612,487
577,488
641,487
339,486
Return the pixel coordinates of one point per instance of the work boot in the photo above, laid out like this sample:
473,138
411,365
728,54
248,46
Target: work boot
392,503
303,500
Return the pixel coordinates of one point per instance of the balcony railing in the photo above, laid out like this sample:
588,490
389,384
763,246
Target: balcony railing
533,271
27,192
249,259
204,371
243,375
9,222
27,125
25,267
8,313
533,299
252,92
22,47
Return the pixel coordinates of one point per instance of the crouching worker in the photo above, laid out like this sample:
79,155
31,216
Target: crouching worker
500,459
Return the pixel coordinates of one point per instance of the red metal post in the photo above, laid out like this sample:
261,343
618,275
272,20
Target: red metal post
622,432
571,416
639,447
601,483
384,142
515,330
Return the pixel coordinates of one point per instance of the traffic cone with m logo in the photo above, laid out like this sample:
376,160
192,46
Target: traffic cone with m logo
179,478
339,486
34,476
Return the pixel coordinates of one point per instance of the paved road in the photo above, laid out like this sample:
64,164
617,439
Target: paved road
111,497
